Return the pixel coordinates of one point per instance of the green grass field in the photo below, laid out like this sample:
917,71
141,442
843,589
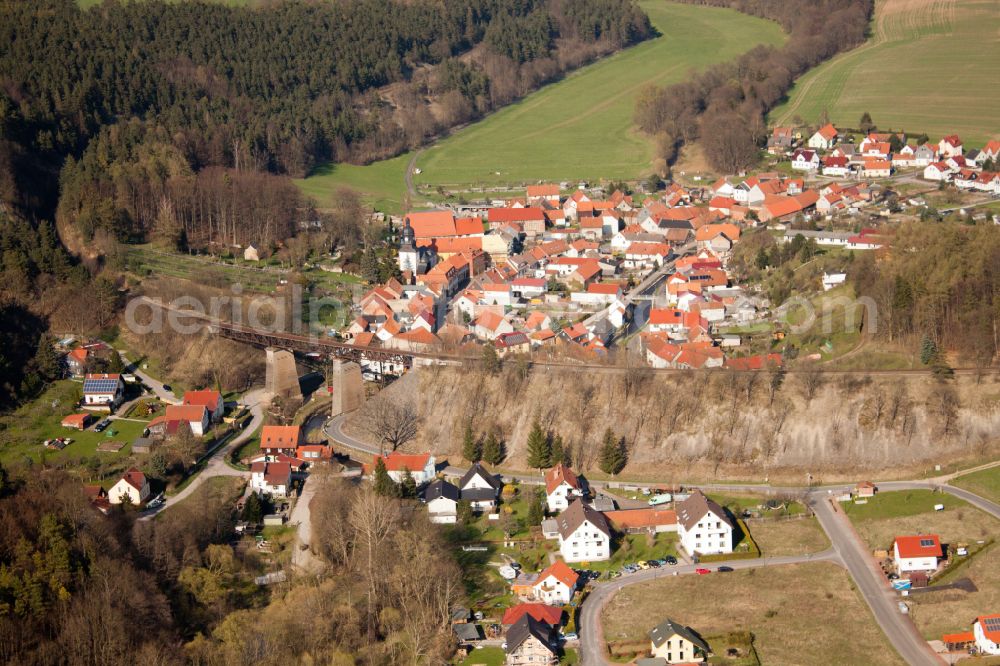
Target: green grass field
985,482
916,73
580,127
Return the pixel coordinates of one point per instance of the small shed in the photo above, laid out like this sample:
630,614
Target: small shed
274,519
251,253
77,421
142,445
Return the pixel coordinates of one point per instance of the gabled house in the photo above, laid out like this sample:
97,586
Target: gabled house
490,325
556,584
561,487
480,488
986,631
805,160
131,488
550,615
271,478
917,553
531,643
422,466
103,390
210,400
824,138
703,526
276,440
584,535
950,146
442,498
677,644
196,416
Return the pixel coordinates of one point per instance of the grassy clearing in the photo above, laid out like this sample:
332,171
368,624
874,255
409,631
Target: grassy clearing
914,72
382,182
912,512
799,614
800,536
948,611
581,127
985,483
145,260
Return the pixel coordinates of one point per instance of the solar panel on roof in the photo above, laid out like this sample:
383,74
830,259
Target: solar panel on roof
927,542
100,385
992,623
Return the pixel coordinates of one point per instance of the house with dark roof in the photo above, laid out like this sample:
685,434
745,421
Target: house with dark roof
103,390
703,526
480,488
584,534
677,644
531,642
442,498
271,478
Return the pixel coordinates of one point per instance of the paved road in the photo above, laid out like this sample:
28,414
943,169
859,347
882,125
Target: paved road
216,465
151,382
591,632
873,585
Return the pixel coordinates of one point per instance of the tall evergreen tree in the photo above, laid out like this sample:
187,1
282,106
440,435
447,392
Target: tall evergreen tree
472,448
384,485
614,456
866,124
536,507
560,454
491,362
539,447
253,509
493,450
407,485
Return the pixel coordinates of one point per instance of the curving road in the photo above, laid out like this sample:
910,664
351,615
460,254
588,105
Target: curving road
215,464
848,550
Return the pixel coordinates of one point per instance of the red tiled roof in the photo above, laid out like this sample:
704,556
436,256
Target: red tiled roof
543,190
925,545
561,572
134,478
207,398
188,413
640,518
557,475
529,214
396,461
279,437
989,624
428,224
75,421
549,614
604,288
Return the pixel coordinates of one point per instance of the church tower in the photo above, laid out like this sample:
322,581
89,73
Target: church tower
408,255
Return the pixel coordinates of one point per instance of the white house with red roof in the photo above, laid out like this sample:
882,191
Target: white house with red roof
271,478
824,138
132,488
209,399
275,439
805,160
986,630
561,487
938,171
917,553
422,466
950,146
490,325
556,585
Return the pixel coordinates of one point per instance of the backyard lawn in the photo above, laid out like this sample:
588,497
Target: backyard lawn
23,431
798,614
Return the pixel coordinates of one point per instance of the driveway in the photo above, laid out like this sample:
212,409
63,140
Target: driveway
216,462
155,384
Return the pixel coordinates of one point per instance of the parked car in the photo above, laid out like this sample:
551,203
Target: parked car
671,560
701,571
571,636
724,569
166,387
102,425
643,564
654,564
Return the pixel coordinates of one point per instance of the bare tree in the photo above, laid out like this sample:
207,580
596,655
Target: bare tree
812,381
390,420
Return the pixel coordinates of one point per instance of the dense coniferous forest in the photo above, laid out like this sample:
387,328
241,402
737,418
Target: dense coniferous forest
182,121
724,107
